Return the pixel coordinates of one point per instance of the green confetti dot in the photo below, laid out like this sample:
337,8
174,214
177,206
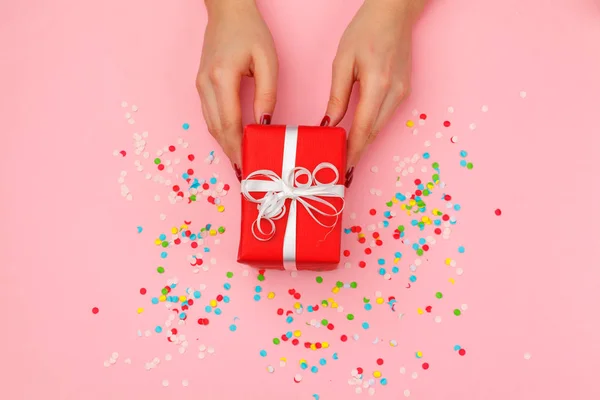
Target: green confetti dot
160,270
276,341
435,165
439,295
366,300
469,165
457,312
401,228
319,279
230,274
193,197
157,161
324,322
353,285
420,252
389,203
164,291
221,229
165,244
350,317
261,277
339,284
325,303
435,177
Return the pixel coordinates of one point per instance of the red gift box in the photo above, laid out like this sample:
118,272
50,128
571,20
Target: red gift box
292,196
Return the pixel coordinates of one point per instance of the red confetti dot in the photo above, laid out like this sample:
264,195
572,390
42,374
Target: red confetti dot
396,236
358,229
190,302
417,182
307,345
425,247
143,291
292,291
95,310
368,250
425,366
284,337
123,153
160,167
297,296
174,331
194,245
447,197
201,321
199,261
359,370
191,157
295,342
418,192
176,188
445,217
362,264
462,352
190,171
205,186
428,309
378,242
280,311
171,148
346,253
372,211
316,308
220,297
330,326
362,240
423,116
205,321
438,231
498,211
318,345
226,187
380,361
375,235
446,123
344,338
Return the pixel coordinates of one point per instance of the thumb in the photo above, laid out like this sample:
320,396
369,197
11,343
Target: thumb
341,88
265,93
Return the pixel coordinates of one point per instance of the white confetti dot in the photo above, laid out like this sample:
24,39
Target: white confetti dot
454,139
464,307
472,126
527,356
123,104
163,217
298,377
358,390
374,169
106,364
134,108
459,271
131,121
414,375
450,110
438,135
402,370
211,350
156,198
523,94
427,143
270,369
371,391
406,393
201,355
127,361
438,319
165,383
185,383
484,108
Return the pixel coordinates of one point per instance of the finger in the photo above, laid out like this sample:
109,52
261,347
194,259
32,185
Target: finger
372,94
226,85
265,81
342,80
390,104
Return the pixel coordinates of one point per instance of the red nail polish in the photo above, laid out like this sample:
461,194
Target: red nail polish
265,119
238,172
325,121
349,177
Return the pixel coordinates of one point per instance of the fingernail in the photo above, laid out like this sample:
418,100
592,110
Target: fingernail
265,119
325,121
349,177
238,172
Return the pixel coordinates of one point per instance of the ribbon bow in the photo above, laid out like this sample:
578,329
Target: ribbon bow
272,207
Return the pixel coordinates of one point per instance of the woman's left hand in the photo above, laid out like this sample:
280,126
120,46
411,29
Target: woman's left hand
375,50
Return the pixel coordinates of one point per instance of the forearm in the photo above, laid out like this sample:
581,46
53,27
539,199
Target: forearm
409,9
220,6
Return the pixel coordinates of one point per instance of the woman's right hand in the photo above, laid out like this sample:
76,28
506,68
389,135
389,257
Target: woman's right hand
237,43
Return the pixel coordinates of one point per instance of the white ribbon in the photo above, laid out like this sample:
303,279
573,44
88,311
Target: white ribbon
278,189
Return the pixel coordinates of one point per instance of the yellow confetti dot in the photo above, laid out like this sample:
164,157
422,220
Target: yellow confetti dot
451,280
410,123
335,289
140,310
271,295
377,374
403,206
297,333
213,232
379,300
420,311
425,219
174,230
283,359
182,298
157,242
221,208
302,360
334,305
419,354
297,305
325,345
162,298
213,303
448,261
313,346
361,235
412,202
330,299
394,200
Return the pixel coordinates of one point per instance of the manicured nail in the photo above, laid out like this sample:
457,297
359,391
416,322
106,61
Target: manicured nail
349,177
325,121
265,119
238,172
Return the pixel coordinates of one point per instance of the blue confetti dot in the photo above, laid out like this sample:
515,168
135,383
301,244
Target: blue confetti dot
288,334
382,271
457,207
383,381
227,286
400,196
193,236
232,327
140,229
256,297
335,356
426,156
314,369
185,126
218,311
164,254
413,278
461,249
397,254
368,307
208,226
213,180
226,299
185,175
463,153
154,300
415,246
316,396
158,329
289,319
309,308
197,294
381,261
395,270
386,224
422,241
322,361
258,289
365,325
182,315
162,236
303,365
346,230
420,187
263,353
208,309
387,214
463,163
456,348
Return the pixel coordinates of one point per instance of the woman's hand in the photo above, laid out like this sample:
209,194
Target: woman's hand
237,43
375,50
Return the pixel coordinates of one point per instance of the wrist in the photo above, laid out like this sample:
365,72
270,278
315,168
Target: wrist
220,6
405,9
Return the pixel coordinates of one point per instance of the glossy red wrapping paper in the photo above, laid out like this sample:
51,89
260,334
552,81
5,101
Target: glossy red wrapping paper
317,247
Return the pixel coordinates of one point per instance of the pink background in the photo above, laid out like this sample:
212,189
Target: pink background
68,239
